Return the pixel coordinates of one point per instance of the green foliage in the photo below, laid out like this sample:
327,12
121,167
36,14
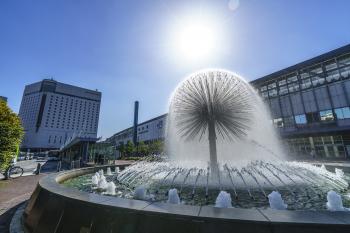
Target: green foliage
143,149
11,133
156,147
129,148
121,149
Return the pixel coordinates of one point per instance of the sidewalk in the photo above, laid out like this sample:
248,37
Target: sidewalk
15,191
12,193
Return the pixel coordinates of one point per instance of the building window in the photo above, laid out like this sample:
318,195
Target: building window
304,75
326,116
342,113
312,117
300,119
345,60
264,94
331,65
292,79
272,92
305,83
333,76
293,87
345,72
272,85
283,90
282,82
278,122
317,80
288,121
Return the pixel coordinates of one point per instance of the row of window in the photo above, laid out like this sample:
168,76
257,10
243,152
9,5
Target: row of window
140,130
29,110
321,146
159,126
61,110
54,139
313,117
314,76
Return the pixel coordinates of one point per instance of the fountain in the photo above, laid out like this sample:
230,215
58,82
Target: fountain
334,202
173,197
220,141
223,200
276,201
225,170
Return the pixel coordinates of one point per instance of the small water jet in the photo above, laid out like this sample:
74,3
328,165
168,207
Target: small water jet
223,200
334,202
95,179
110,189
173,197
109,171
140,193
276,201
102,183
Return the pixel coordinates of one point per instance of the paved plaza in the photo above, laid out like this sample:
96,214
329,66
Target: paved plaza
12,193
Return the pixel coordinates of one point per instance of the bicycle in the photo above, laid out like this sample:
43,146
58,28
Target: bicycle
13,172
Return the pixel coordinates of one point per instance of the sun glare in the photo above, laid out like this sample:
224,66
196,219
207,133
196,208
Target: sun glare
195,39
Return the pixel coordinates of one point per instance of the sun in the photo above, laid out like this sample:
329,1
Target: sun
195,39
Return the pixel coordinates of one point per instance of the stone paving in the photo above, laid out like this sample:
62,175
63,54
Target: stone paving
12,193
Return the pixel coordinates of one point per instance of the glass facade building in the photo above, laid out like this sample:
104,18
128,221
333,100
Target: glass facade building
310,104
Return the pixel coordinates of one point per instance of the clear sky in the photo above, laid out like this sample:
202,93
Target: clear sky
126,48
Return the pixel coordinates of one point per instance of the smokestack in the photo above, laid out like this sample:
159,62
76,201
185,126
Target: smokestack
136,117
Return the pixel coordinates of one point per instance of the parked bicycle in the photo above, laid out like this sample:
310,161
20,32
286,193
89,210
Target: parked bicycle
13,172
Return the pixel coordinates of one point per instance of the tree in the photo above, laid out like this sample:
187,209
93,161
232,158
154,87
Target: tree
156,147
121,149
11,133
129,148
143,149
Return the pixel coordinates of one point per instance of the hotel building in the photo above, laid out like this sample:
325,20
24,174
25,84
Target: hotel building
53,113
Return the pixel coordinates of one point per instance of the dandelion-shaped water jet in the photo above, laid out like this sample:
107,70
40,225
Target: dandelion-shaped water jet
215,102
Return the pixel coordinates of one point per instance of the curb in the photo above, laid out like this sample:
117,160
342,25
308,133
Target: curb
16,225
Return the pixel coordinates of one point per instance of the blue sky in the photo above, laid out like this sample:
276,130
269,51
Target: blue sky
123,48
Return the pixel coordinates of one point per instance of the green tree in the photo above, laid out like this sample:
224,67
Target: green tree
143,149
129,148
11,133
156,147
121,149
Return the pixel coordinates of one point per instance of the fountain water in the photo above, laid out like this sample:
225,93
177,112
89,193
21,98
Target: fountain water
109,171
276,201
110,188
223,200
220,141
102,183
173,196
334,202
216,116
140,193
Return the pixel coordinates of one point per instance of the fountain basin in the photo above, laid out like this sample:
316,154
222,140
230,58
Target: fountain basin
56,208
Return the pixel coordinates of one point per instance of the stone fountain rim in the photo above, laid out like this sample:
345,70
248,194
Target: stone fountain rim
52,184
